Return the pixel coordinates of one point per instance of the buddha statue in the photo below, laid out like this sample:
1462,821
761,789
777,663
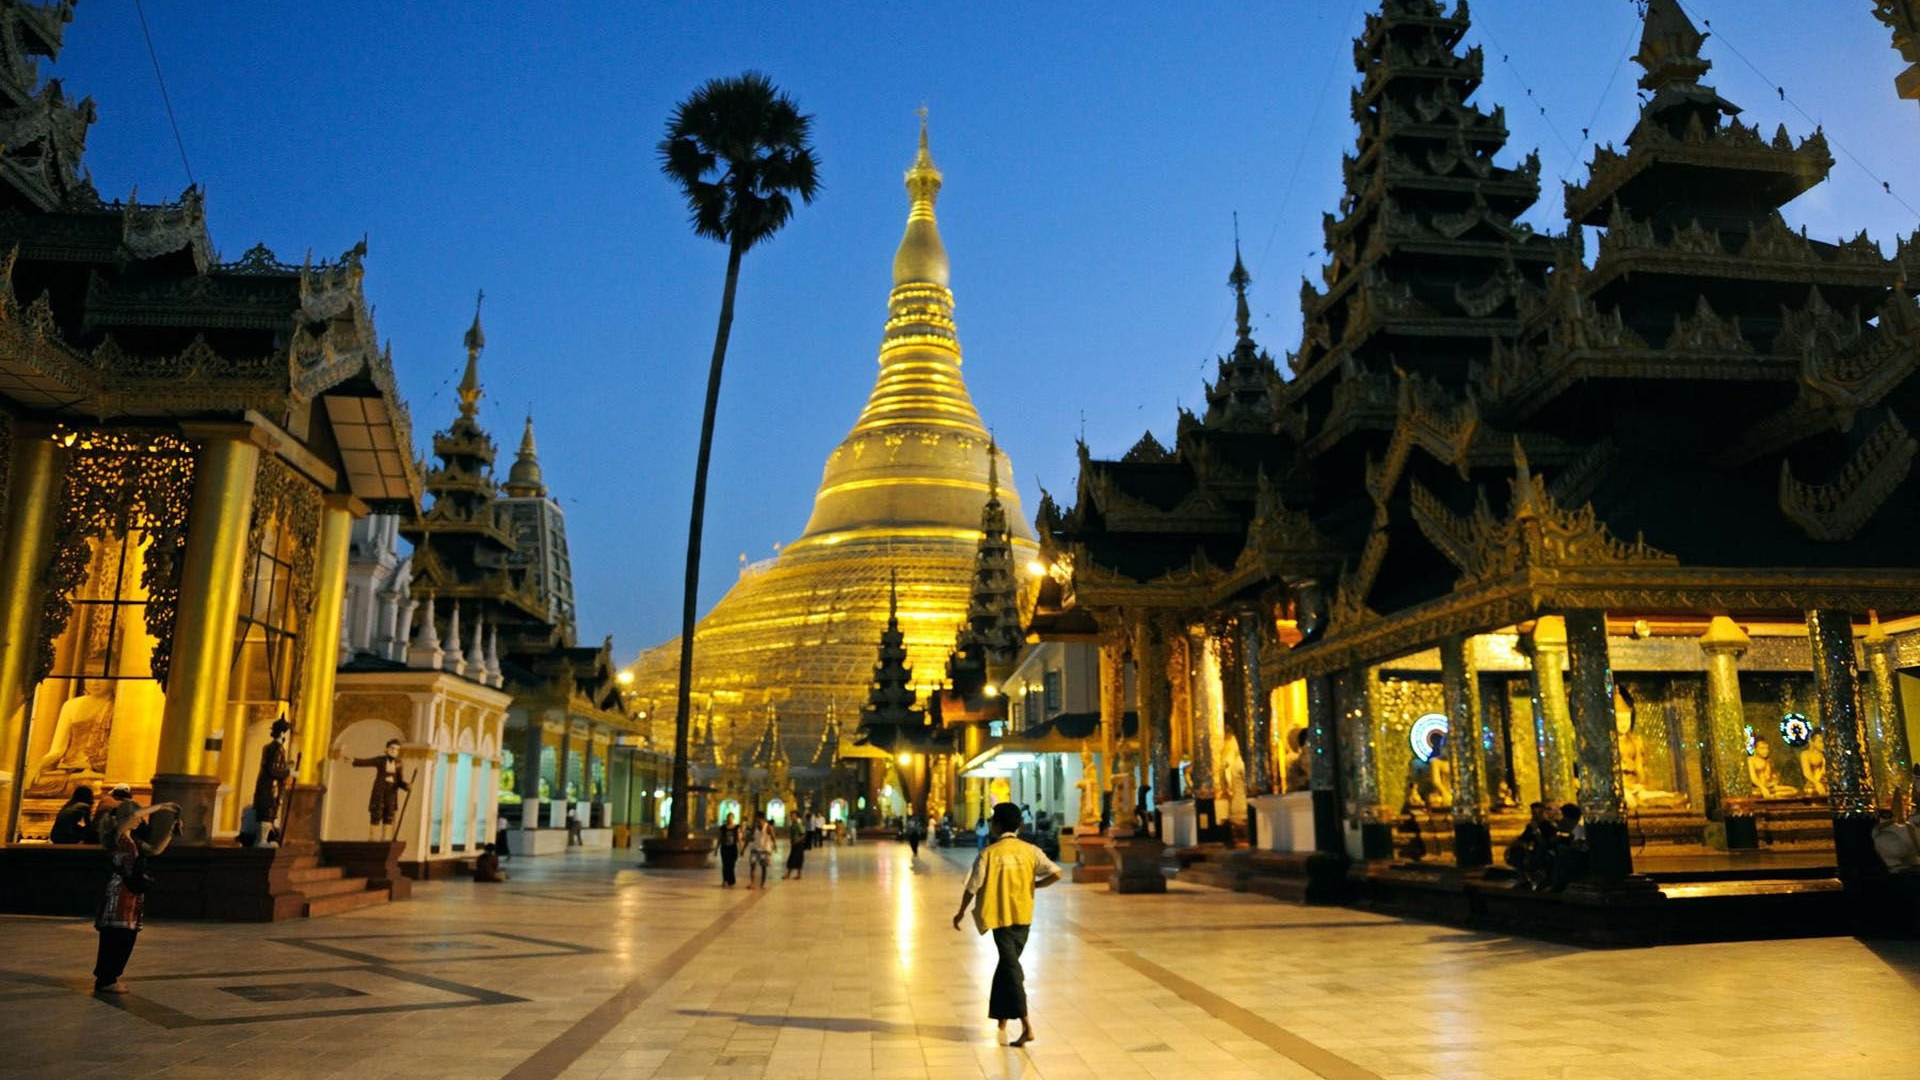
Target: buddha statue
77,753
1813,763
1430,779
1298,775
1766,784
1233,779
1633,760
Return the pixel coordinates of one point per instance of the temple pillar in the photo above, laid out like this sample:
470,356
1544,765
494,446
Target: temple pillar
1324,725
1849,779
1228,646
1180,672
313,735
1723,770
1256,706
1891,756
1113,711
1360,732
212,568
1202,779
1603,804
1472,844
1553,727
1150,676
34,496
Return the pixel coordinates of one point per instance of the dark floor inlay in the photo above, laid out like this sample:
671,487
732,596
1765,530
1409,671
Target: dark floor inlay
304,991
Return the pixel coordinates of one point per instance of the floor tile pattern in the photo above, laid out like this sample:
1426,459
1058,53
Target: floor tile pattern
585,967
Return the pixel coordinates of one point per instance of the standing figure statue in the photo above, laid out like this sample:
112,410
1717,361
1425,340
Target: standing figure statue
383,802
1089,785
270,784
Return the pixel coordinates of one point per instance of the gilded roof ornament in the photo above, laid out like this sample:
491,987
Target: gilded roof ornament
922,258
470,381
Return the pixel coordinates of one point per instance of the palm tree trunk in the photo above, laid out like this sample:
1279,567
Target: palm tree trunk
677,823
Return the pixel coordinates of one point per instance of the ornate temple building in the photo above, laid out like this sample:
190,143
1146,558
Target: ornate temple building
185,444
465,650
900,496
1623,525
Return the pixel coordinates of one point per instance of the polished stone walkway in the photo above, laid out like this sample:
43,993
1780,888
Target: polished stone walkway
582,967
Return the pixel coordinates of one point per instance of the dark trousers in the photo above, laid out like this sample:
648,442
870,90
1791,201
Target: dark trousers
1008,998
728,856
116,948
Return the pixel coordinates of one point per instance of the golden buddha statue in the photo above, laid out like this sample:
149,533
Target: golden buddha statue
1813,763
1633,761
1766,784
78,750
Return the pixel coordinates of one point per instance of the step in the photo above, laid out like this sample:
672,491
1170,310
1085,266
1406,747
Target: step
306,862
334,905
335,887
301,875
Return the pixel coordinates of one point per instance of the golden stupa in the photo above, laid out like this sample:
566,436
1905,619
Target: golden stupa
903,492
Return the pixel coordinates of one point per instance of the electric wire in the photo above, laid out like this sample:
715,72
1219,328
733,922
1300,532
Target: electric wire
165,98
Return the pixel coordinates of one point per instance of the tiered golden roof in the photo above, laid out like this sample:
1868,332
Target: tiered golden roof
902,492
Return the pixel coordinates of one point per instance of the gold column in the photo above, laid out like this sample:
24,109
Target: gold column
1113,701
1461,685
1182,665
1891,754
313,718
33,507
1722,755
1553,724
322,659
212,568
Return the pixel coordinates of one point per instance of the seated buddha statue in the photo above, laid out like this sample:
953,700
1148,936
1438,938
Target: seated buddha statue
1766,784
1633,760
1430,781
77,752
1813,764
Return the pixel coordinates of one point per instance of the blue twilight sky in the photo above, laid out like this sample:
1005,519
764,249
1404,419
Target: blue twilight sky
1094,156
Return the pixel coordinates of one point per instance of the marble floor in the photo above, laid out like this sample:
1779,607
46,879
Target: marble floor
582,966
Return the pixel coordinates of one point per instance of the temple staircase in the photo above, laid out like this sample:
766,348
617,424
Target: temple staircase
328,890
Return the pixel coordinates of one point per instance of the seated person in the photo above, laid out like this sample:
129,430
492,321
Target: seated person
1897,843
486,867
74,823
1569,859
1531,853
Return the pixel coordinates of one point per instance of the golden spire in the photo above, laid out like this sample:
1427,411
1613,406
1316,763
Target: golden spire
470,382
523,480
913,458
922,258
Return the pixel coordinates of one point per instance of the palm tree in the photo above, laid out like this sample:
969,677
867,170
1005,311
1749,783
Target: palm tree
738,149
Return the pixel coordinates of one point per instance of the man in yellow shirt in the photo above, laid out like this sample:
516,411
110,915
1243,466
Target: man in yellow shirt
1000,889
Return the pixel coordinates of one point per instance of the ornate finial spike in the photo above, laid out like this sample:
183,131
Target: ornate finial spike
993,468
476,340
893,595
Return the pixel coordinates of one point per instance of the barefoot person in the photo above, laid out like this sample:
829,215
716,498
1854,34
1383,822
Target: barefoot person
1000,889
125,902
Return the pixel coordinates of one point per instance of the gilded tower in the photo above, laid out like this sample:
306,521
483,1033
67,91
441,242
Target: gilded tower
901,493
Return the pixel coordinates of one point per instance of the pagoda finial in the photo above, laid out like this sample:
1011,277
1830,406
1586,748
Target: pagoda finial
893,598
523,479
470,382
1239,279
1670,47
993,469
922,257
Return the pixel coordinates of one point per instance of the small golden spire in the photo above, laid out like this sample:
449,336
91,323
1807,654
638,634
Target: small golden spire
470,382
524,480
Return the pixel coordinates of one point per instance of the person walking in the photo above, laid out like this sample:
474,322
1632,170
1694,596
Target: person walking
125,902
729,851
796,851
760,851
912,833
1000,891
574,835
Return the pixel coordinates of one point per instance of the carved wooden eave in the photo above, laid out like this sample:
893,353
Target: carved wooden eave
1844,366
1430,14
1186,588
1649,590
1730,148
1282,545
1838,510
1772,252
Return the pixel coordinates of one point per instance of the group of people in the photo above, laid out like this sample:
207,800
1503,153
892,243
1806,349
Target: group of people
760,841
1549,854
